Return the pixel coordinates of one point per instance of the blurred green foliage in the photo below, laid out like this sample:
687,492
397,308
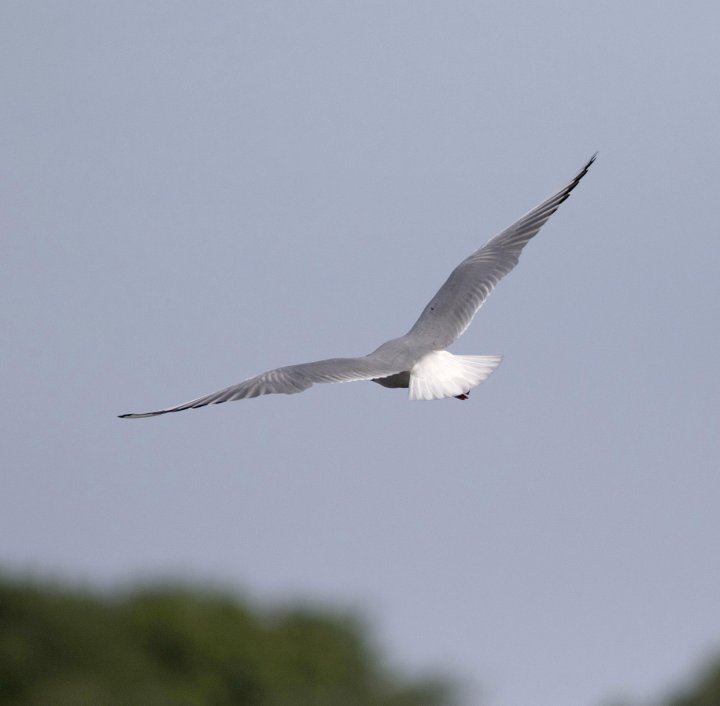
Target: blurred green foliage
174,646
178,646
704,692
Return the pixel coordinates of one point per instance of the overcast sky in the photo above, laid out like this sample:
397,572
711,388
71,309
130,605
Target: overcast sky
195,192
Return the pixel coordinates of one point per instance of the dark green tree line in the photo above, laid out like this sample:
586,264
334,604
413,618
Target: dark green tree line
170,646
175,646
705,691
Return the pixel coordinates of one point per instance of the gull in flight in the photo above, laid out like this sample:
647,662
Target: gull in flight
418,360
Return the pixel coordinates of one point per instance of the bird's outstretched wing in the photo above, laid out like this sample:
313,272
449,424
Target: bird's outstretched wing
452,309
287,380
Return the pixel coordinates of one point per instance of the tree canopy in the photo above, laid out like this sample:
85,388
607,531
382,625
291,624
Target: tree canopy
170,645
704,691
180,646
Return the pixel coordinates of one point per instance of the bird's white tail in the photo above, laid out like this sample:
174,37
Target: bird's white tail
441,374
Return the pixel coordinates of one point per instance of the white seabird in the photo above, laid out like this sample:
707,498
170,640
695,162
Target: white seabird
418,360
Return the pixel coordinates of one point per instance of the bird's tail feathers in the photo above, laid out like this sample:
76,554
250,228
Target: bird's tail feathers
441,374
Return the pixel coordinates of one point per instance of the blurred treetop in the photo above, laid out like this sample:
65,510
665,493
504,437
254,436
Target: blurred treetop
176,646
171,645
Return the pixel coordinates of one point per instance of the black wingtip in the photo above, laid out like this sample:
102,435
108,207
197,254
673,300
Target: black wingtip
144,415
580,175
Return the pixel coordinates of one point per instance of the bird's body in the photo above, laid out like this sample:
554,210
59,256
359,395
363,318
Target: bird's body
418,360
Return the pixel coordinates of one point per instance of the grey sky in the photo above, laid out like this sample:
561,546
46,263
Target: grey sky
196,192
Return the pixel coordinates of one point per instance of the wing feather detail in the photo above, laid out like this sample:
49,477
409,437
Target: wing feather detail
288,380
451,310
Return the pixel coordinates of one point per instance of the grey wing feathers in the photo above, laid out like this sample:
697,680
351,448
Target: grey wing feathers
287,380
452,309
